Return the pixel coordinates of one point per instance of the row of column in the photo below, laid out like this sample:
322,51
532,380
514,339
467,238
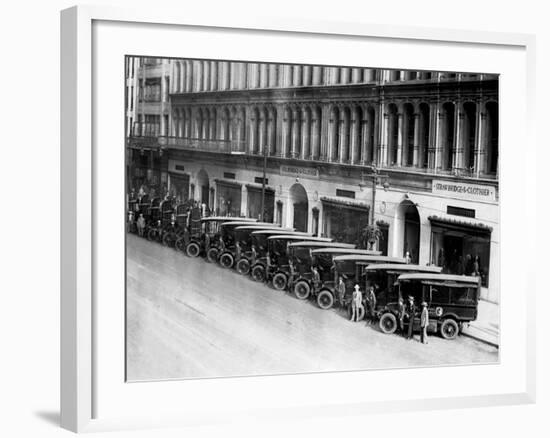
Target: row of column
198,76
442,136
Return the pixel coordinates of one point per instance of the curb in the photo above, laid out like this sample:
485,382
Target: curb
485,341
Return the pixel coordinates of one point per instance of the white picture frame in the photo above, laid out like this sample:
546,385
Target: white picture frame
81,370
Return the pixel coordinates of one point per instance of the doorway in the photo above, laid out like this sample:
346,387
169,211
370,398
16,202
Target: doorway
298,199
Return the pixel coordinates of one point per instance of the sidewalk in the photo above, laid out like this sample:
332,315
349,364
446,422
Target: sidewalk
486,328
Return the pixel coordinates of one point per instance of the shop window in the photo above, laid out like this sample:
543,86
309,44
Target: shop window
254,204
229,200
345,193
345,224
462,251
459,211
229,175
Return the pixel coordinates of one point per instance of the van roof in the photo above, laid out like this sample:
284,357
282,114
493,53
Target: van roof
440,277
368,259
228,219
279,231
403,268
299,237
254,227
237,223
322,244
343,251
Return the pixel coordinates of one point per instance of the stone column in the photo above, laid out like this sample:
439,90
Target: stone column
315,137
480,150
206,75
356,76
297,76
285,133
295,133
366,129
213,75
262,137
438,140
458,141
271,134
383,158
416,139
306,75
342,134
305,150
317,75
326,133
344,75
273,75
279,146
401,125
354,137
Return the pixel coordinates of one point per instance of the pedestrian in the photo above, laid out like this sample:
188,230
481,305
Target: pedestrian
475,272
411,310
221,244
315,278
356,304
141,225
130,222
424,322
408,259
341,290
237,251
401,315
371,304
253,255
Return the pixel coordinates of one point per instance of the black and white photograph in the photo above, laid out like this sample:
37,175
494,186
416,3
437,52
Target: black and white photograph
292,218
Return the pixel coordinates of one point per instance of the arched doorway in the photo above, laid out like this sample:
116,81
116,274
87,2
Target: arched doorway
204,187
299,202
408,229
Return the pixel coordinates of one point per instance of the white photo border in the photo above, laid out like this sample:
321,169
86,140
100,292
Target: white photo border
94,397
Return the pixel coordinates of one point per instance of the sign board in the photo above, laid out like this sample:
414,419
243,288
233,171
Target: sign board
466,191
299,171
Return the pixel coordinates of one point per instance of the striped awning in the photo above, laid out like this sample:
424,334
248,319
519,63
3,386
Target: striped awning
347,203
459,222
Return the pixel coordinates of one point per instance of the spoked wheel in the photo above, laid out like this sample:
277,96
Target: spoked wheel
180,244
169,239
193,249
449,329
361,313
152,234
258,273
226,260
279,281
325,300
302,290
243,266
388,323
212,255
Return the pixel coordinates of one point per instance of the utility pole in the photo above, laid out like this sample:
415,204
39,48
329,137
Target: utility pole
263,184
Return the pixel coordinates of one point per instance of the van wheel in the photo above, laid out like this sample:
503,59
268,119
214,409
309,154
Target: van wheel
180,244
243,266
325,300
152,234
361,313
226,260
193,249
258,273
449,329
279,281
388,323
212,255
302,290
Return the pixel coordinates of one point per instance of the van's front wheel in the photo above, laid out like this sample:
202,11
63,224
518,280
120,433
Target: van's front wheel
449,329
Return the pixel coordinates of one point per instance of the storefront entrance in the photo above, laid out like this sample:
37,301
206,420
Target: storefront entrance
408,226
179,187
204,187
461,249
228,199
299,202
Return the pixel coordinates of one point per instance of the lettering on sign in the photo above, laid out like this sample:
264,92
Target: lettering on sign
470,192
306,172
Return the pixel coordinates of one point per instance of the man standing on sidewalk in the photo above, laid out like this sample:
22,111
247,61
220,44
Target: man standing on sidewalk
411,310
424,322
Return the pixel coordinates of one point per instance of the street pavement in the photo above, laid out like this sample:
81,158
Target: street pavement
187,318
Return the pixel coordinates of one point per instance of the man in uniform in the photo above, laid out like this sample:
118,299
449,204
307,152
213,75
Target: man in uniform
341,289
315,278
371,303
411,310
424,321
401,314
356,303
253,255
141,225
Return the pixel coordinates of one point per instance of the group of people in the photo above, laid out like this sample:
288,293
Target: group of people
407,313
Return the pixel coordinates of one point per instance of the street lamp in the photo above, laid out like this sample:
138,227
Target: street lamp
263,184
377,178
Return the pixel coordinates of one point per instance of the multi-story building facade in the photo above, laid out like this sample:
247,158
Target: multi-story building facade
414,151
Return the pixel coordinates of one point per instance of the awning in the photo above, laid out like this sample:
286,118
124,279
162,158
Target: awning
229,183
258,187
339,203
459,223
